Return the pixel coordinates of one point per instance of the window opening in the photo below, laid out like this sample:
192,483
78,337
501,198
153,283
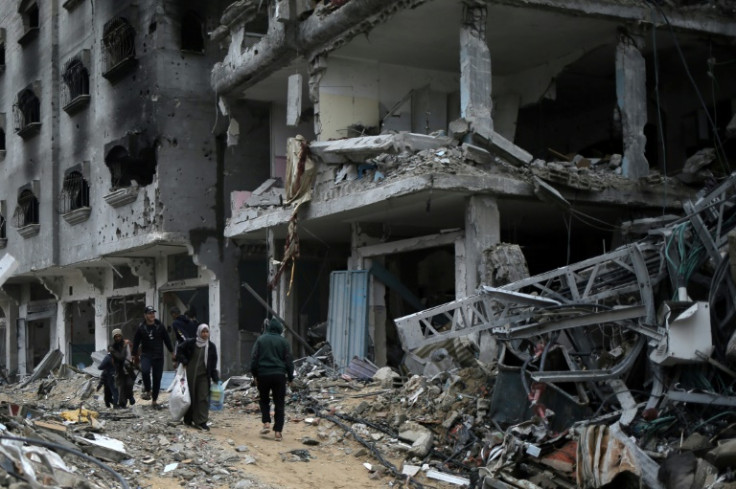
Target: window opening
119,41
27,211
74,193
126,168
125,313
31,17
2,139
123,277
27,110
76,79
192,33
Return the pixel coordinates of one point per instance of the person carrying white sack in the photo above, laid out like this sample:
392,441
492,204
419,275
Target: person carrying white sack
199,357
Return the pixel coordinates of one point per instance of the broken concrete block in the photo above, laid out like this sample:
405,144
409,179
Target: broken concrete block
504,263
699,160
476,154
696,443
386,377
615,161
459,128
724,455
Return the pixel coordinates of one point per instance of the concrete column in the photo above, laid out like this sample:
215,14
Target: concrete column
11,336
631,100
220,265
482,230
272,267
317,68
475,70
361,236
103,333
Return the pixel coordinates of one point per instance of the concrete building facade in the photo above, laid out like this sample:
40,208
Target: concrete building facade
116,177
438,132
349,161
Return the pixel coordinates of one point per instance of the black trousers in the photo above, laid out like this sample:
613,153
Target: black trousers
148,365
274,385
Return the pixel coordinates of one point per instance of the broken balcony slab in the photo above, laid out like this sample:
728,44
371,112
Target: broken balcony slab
504,148
362,148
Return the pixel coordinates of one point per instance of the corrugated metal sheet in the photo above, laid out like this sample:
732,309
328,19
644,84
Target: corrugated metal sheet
347,320
361,368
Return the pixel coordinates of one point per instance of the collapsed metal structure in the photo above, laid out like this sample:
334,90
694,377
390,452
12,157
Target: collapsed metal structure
580,331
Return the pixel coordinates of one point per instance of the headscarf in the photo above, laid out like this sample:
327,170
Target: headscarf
202,343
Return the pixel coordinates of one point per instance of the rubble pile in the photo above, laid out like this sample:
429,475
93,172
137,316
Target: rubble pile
56,432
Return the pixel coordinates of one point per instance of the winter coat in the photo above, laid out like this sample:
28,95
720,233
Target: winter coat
152,339
185,351
271,354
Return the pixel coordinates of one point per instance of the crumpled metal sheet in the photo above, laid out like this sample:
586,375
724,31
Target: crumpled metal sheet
601,457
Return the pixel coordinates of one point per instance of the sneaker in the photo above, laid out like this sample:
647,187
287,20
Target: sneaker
132,401
204,427
156,405
146,395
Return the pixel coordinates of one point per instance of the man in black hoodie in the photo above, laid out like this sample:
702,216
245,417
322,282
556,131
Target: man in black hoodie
272,367
183,327
151,337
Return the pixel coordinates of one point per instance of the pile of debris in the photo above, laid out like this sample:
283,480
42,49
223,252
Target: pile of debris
56,432
615,370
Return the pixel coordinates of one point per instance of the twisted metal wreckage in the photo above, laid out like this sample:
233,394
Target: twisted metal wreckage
649,325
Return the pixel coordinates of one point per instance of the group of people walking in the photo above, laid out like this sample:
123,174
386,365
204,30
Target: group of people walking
271,367
193,349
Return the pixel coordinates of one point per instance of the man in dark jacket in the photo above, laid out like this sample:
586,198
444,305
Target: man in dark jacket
271,366
107,380
184,329
151,337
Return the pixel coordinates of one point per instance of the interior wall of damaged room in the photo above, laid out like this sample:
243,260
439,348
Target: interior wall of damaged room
361,92
280,133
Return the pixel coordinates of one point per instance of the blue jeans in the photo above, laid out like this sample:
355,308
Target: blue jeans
157,365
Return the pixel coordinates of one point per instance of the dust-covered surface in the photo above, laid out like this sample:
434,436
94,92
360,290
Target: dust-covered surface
159,453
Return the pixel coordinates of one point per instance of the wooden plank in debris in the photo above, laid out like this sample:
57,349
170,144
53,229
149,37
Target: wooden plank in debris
51,426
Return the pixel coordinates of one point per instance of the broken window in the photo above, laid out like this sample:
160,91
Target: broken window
125,313
28,11
118,42
123,277
26,213
74,193
125,169
181,267
192,33
27,112
75,89
255,29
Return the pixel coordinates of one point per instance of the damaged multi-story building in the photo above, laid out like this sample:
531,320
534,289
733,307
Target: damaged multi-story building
350,161
416,150
116,175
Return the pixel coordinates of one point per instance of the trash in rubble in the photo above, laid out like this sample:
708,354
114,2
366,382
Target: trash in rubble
80,415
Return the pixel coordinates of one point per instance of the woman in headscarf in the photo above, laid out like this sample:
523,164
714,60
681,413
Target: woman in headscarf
199,356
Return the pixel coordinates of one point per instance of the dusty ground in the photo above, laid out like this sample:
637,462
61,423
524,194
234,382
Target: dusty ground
333,466
233,454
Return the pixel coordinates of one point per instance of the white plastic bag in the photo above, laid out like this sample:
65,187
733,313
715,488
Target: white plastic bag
179,400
